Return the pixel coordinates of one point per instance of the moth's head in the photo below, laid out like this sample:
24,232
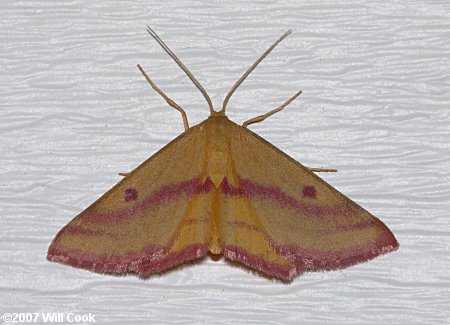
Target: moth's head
215,113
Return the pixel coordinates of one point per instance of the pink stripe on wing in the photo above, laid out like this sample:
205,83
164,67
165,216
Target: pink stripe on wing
164,194
250,189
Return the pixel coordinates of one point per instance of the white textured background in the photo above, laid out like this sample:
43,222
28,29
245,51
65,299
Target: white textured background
74,111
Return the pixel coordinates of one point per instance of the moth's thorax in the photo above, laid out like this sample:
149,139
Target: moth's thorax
217,147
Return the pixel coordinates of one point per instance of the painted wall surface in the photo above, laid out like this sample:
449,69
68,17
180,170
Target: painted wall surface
75,111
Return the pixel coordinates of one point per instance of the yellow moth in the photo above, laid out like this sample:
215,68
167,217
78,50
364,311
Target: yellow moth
222,189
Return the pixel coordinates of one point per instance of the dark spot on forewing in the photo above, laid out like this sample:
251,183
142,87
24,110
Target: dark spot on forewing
309,192
131,194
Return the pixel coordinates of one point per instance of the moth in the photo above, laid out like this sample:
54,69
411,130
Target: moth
219,188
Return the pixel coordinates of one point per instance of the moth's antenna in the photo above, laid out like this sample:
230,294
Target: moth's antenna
182,66
249,70
261,118
168,100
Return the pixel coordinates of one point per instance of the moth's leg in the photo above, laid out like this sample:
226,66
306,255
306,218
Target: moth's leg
124,174
264,116
322,170
168,100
